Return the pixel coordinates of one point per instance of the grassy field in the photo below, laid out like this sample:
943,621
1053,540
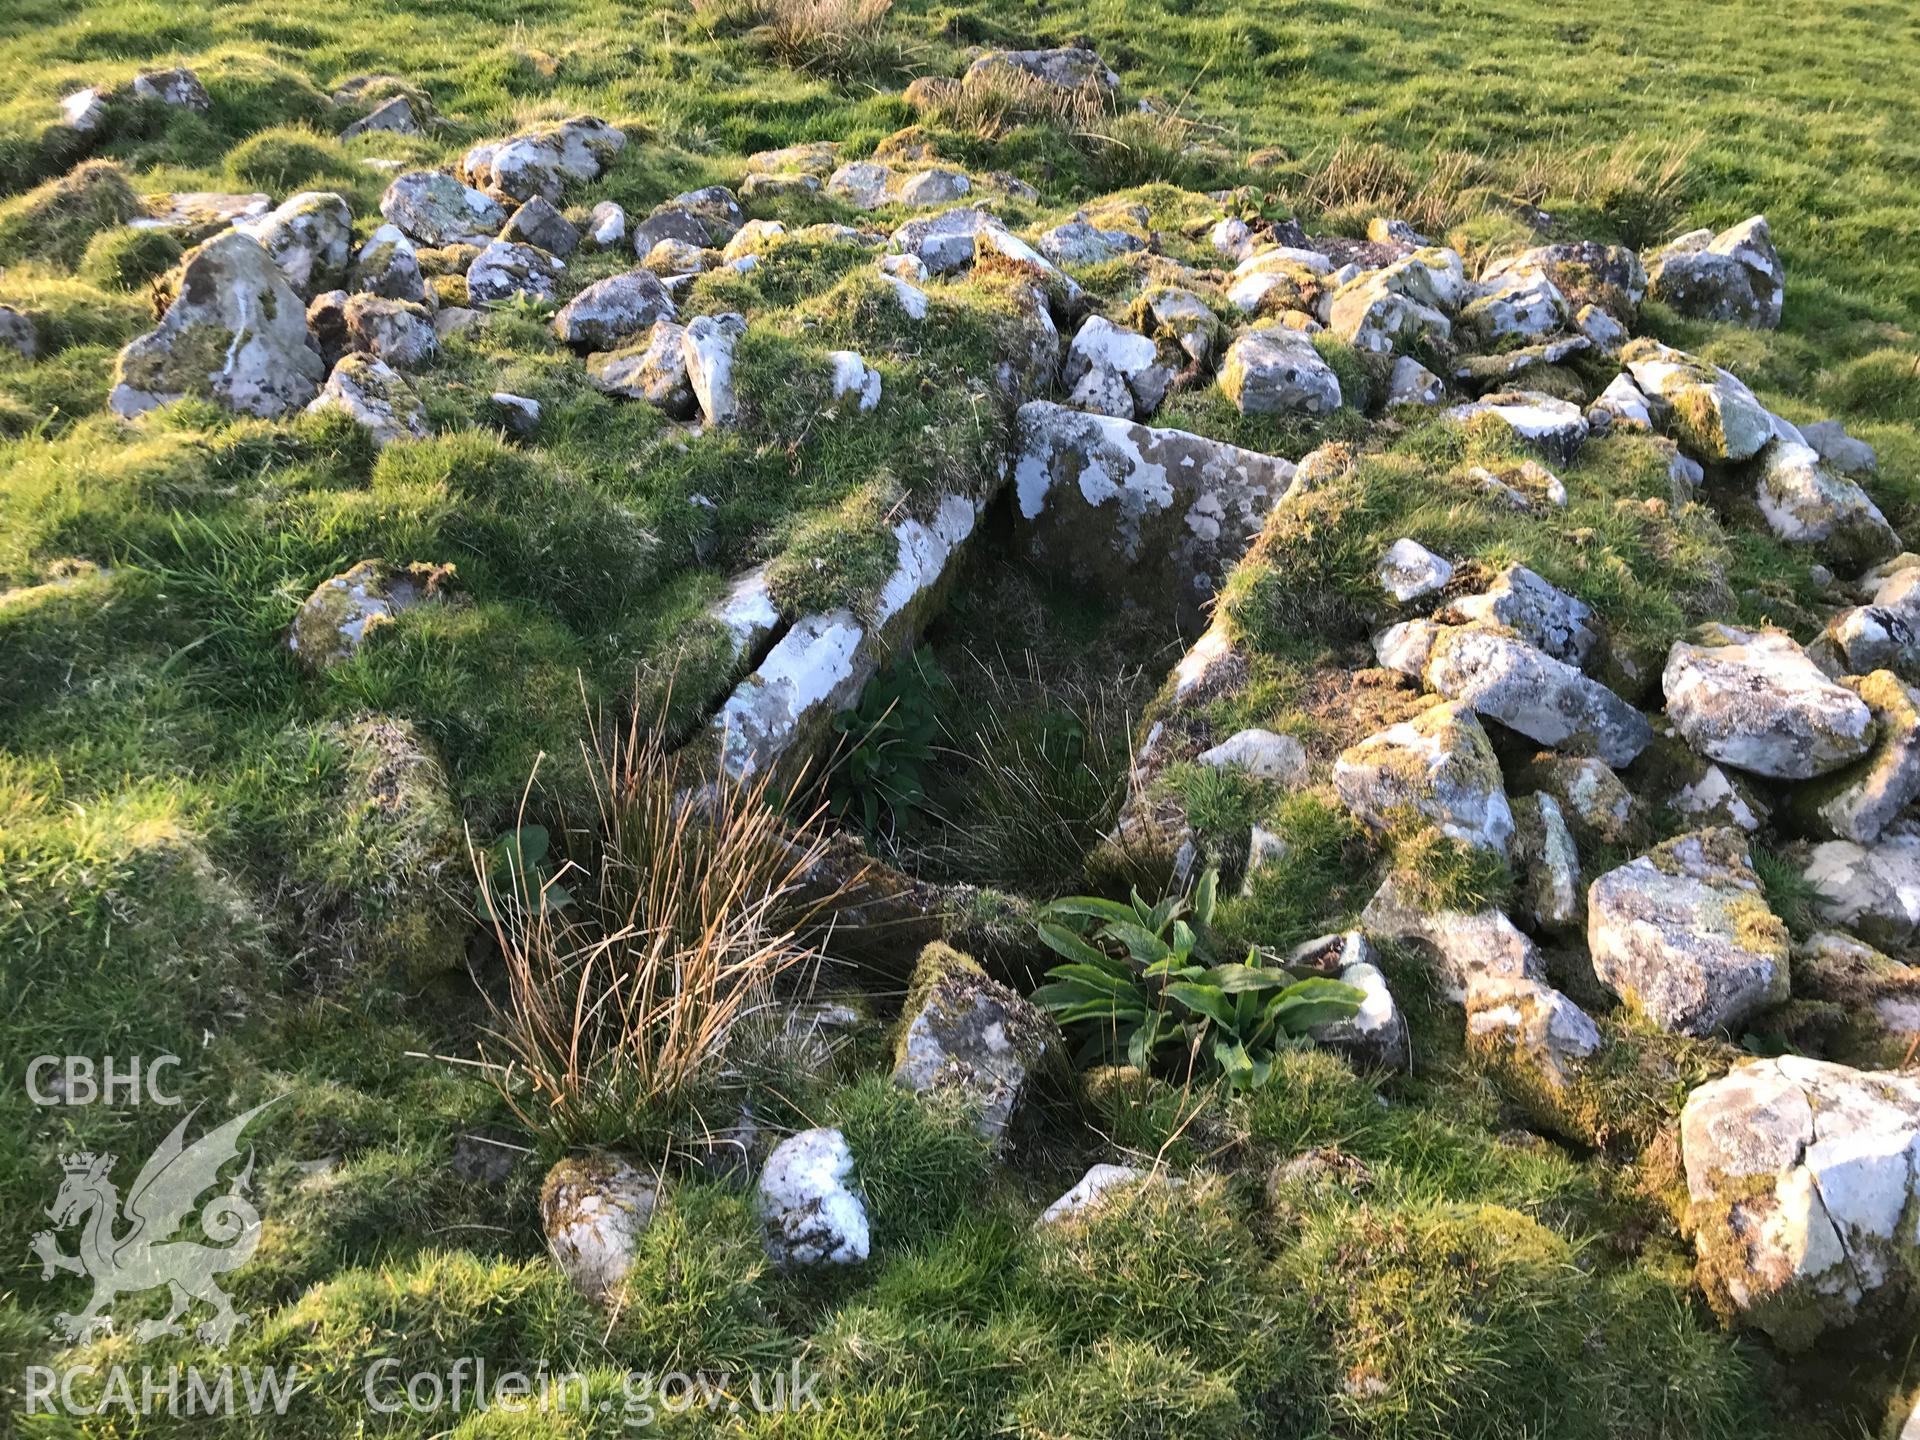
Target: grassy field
191,863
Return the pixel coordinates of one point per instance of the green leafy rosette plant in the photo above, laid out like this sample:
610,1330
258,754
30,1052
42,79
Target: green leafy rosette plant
1140,984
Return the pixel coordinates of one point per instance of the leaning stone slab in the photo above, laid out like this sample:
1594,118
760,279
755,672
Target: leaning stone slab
1546,700
1684,935
1802,1188
1152,515
236,334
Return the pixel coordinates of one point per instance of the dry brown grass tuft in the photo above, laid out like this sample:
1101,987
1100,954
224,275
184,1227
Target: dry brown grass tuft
641,974
834,37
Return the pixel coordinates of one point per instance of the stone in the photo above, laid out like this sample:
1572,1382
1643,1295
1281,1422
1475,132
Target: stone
754,238
1602,331
1801,1183
865,185
1231,238
84,110
1182,319
1411,383
1715,418
606,226
344,612
655,370
196,215
708,346
1405,648
1713,797
1554,427
945,242
1545,699
1520,486
1597,807
1865,638
1372,316
397,331
504,270
179,88
911,298
235,334
375,396
537,223
1063,68
1261,754
816,670
1410,571
1683,935
1622,406
811,157
853,376
393,117
1516,308
1091,1188
1806,503
971,1040
1466,946
310,238
1528,1031
17,333
1079,243
543,161
1754,700
671,257
1871,890
707,217
1544,616
1276,371
1143,512
1438,766
593,1209
1859,802
1735,276
436,210
810,1212
519,414
1384,230
1607,277
1112,371
1840,450
389,265
1547,863
456,320
609,313
327,323
1375,1036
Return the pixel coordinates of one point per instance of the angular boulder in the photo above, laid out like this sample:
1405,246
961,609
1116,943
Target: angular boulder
1112,371
1861,801
310,238
437,210
609,313
1684,936
1754,700
1871,890
1735,276
655,370
374,396
542,162
1438,766
503,271
1802,1186
1547,862
1527,690
1547,618
971,1041
1466,945
1273,370
1807,503
1715,418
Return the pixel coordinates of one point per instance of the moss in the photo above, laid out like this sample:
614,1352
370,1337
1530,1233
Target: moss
1133,1389
56,222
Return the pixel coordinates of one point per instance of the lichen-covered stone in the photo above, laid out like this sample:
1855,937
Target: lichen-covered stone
971,1040
1410,571
341,613
1861,801
437,209
1597,807
1144,514
235,334
1802,1188
1465,945
539,224
1064,68
1375,1036
543,161
1871,890
654,370
593,1209
1715,418
1585,272
1806,503
1734,276
374,395
399,332
610,313
1112,371
1752,699
1276,371
1547,862
1527,1032
503,270
810,1211
389,266
1683,934
1547,700
707,343
1554,427
310,238
1438,766
1547,618
1261,754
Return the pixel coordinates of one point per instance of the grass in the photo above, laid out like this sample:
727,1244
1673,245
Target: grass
205,851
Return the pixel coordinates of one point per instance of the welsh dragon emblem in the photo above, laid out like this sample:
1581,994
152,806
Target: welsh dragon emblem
148,1255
